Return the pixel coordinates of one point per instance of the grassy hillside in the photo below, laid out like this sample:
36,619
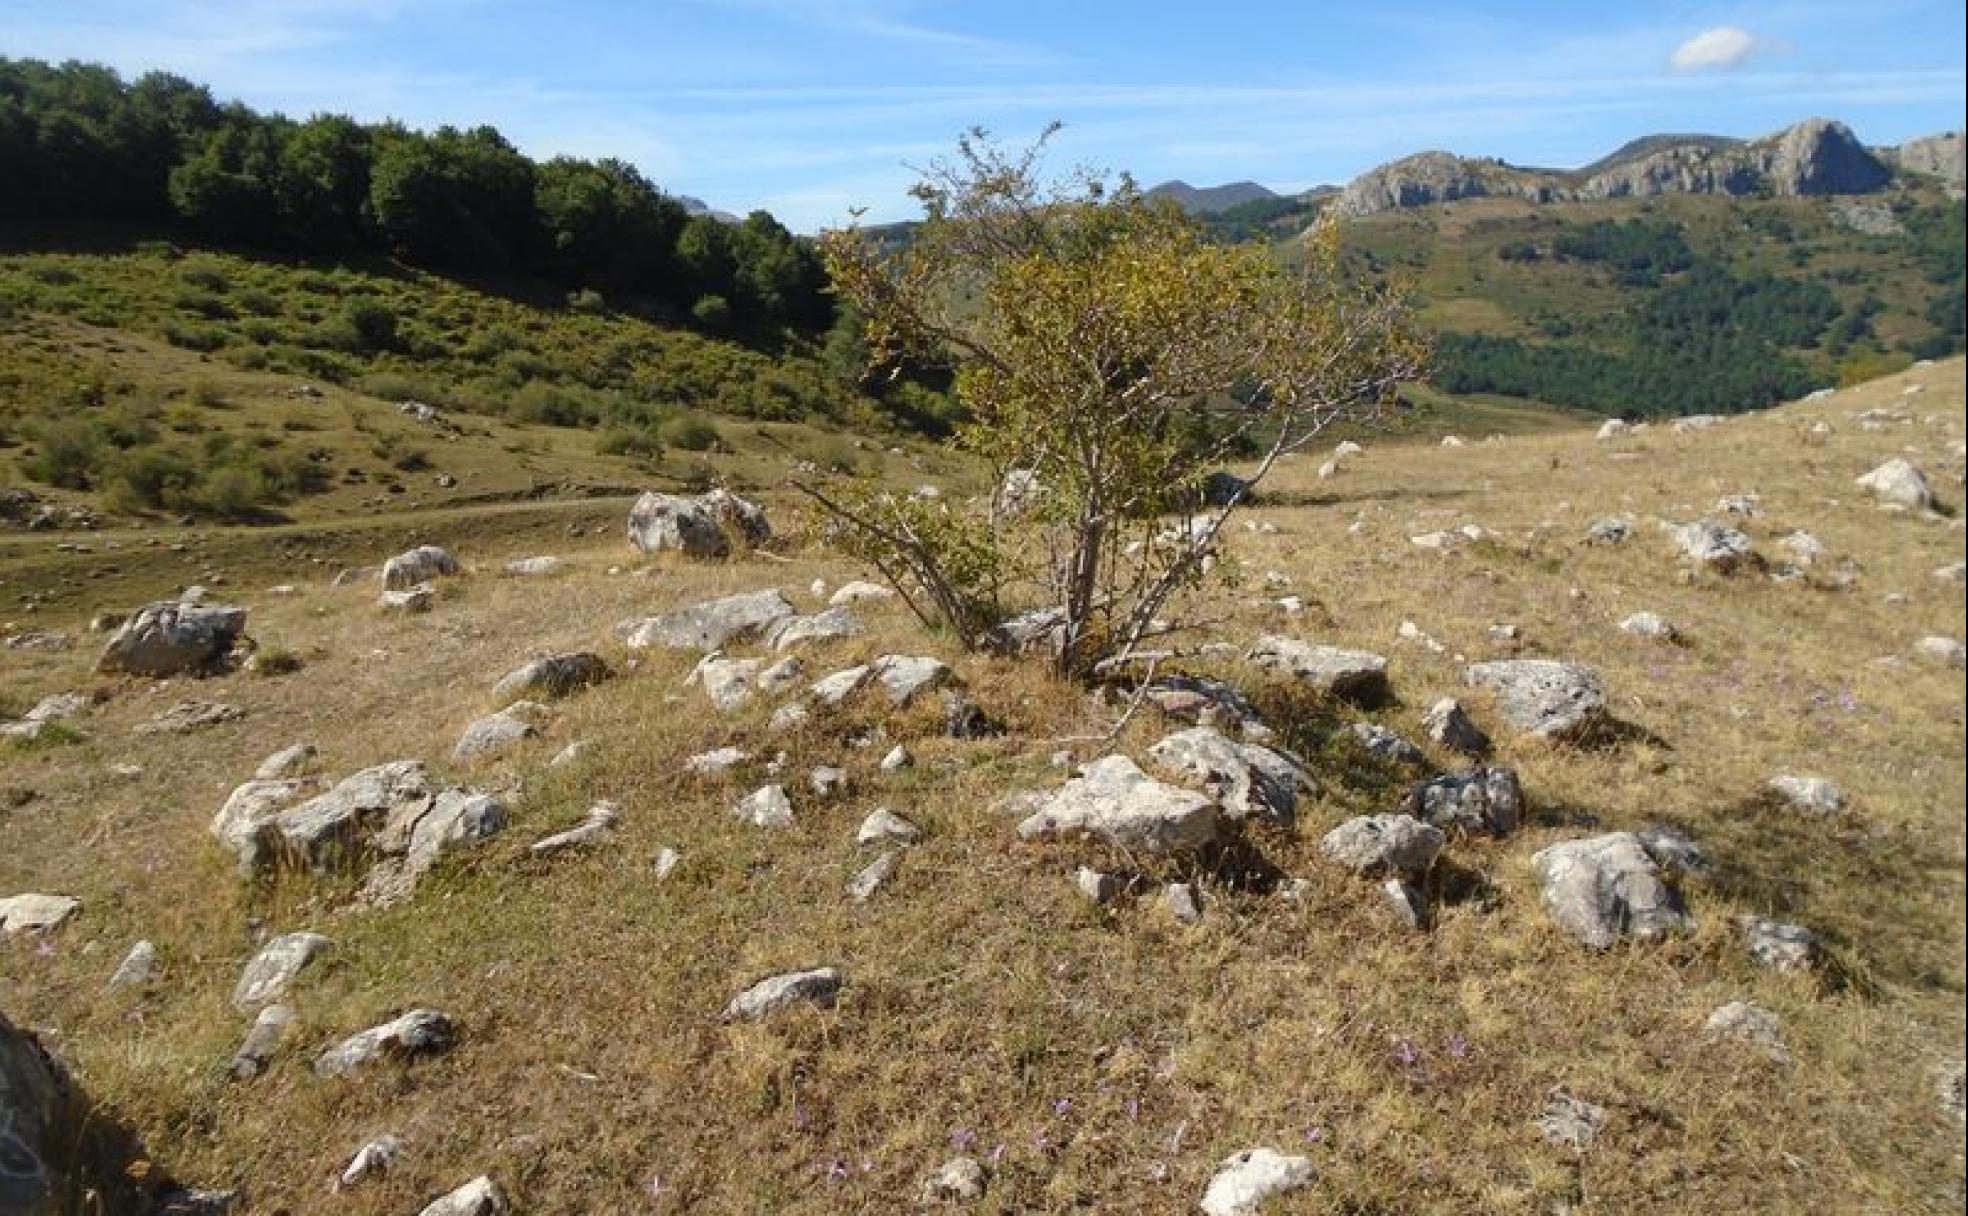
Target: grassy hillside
1095,1058
1677,304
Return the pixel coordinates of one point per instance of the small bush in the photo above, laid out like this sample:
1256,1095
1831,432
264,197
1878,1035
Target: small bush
68,453
693,434
630,441
276,661
586,300
205,278
203,338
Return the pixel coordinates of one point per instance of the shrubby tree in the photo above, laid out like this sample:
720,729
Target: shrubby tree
1110,355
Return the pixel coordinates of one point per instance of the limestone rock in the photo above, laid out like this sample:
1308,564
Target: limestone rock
1609,531
1779,946
1544,697
1946,651
262,1040
416,1033
831,625
1097,887
1813,795
138,968
187,716
555,675
1605,889
535,567
1751,1024
766,807
717,762
820,986
1375,845
1117,802
883,825
491,735
599,821
1570,1122
479,1197
860,592
1449,726
1343,673
710,625
871,878
1244,1183
676,523
373,1158
287,763
266,977
170,638
1246,779
1386,744
418,565
1205,702
39,1112
1649,625
1485,800
411,600
958,1180
1183,903
1899,483
1714,546
33,913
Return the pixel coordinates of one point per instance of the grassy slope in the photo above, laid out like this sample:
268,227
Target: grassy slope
1114,1056
1449,255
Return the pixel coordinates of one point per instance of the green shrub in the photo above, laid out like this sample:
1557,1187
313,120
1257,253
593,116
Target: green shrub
205,278
586,300
205,338
233,491
68,453
693,434
630,441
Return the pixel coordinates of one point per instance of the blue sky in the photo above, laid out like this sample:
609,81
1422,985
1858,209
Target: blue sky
811,107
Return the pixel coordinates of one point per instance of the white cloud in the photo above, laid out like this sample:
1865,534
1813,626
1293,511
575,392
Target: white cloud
1722,48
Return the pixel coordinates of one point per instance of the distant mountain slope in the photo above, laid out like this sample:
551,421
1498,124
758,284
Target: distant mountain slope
1816,156
1208,200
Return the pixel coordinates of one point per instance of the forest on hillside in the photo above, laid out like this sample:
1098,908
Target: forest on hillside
80,143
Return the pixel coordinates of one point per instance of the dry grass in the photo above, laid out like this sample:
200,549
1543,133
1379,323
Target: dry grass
1106,1060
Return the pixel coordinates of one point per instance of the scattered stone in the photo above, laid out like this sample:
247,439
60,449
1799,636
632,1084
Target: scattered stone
716,763
788,718
373,1158
864,885
1614,428
45,640
1487,800
187,716
1778,946
1570,1122
1898,483
710,625
138,968
479,1197
555,675
1951,1087
1405,900
831,625
699,526
600,820
1954,572
820,986
1244,1183
168,638
271,970
897,759
1673,850
32,913
1246,779
826,780
1752,1024
1715,546
1354,674
1802,547
667,860
1696,422
1386,744
416,1033
493,734
1814,795
1377,845
1605,889
1183,903
1544,697
1449,726
964,718
1027,632
883,824
262,1040
1742,506
766,807
1117,802
1946,651
571,754
1096,886
1649,625
1609,531
409,600
288,762
417,566
535,567
958,1180
860,592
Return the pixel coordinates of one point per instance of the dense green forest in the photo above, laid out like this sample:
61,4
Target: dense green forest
77,142
1698,337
